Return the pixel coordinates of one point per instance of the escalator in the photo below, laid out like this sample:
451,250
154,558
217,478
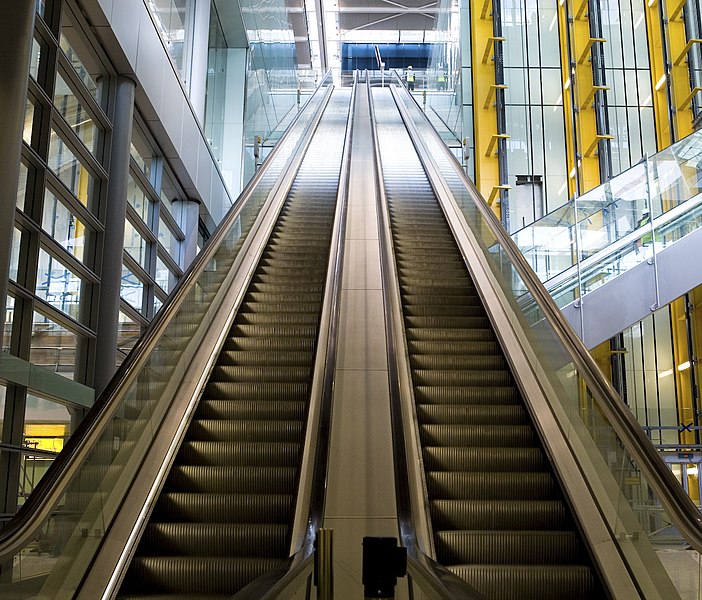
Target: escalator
499,518
225,514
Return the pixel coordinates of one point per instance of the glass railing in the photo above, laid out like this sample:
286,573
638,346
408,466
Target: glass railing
49,558
616,226
638,497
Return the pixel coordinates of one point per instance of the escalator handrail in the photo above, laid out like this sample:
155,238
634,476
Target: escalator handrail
41,502
435,581
680,508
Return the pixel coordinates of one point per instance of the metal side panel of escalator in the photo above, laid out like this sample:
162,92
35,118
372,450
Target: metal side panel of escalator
499,517
225,513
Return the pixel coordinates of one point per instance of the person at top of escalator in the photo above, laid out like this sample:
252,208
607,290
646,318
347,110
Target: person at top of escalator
410,78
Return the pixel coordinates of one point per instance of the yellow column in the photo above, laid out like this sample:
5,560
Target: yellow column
679,47
487,170
658,74
568,115
583,95
681,362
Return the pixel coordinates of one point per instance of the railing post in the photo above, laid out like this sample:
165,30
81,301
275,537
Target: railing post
323,568
652,261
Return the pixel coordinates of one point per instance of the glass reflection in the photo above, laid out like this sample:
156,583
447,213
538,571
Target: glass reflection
70,170
132,289
58,285
53,347
28,122
22,186
138,199
75,114
63,226
135,245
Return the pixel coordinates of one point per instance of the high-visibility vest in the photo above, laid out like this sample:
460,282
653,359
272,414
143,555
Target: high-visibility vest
410,76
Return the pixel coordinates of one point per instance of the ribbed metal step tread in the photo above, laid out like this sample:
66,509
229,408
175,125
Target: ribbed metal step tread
269,318
453,348
222,390
456,458
461,377
499,514
209,575
263,359
269,374
491,486
251,409
509,547
245,430
559,582
500,414
263,454
223,508
228,478
270,344
214,539
437,394
499,436
465,362
450,335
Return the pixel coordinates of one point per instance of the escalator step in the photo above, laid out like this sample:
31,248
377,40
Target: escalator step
496,486
455,348
269,344
200,575
499,514
248,409
466,362
450,335
239,453
240,374
483,459
223,479
509,547
267,359
557,582
268,318
214,539
478,435
220,430
505,414
223,508
457,377
221,390
437,394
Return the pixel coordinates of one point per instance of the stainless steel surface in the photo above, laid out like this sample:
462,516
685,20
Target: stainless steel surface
680,508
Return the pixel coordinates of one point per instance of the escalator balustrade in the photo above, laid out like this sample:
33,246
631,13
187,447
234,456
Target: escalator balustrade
499,518
226,511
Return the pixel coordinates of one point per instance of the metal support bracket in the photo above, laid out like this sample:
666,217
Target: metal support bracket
487,9
688,100
493,142
686,49
490,46
495,192
598,138
491,93
591,95
588,47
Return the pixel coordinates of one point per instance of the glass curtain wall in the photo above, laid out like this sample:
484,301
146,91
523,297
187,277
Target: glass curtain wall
54,276
536,150
173,19
628,76
464,89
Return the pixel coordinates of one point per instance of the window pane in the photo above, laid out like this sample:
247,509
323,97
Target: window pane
3,391
74,46
28,122
135,244
53,346
169,194
138,199
165,278
142,153
34,59
40,7
15,253
127,335
170,16
22,186
132,289
60,223
167,239
157,304
70,170
75,114
47,424
59,286
9,316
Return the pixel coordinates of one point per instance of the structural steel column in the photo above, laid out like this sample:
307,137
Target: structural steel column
487,135
16,29
113,242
